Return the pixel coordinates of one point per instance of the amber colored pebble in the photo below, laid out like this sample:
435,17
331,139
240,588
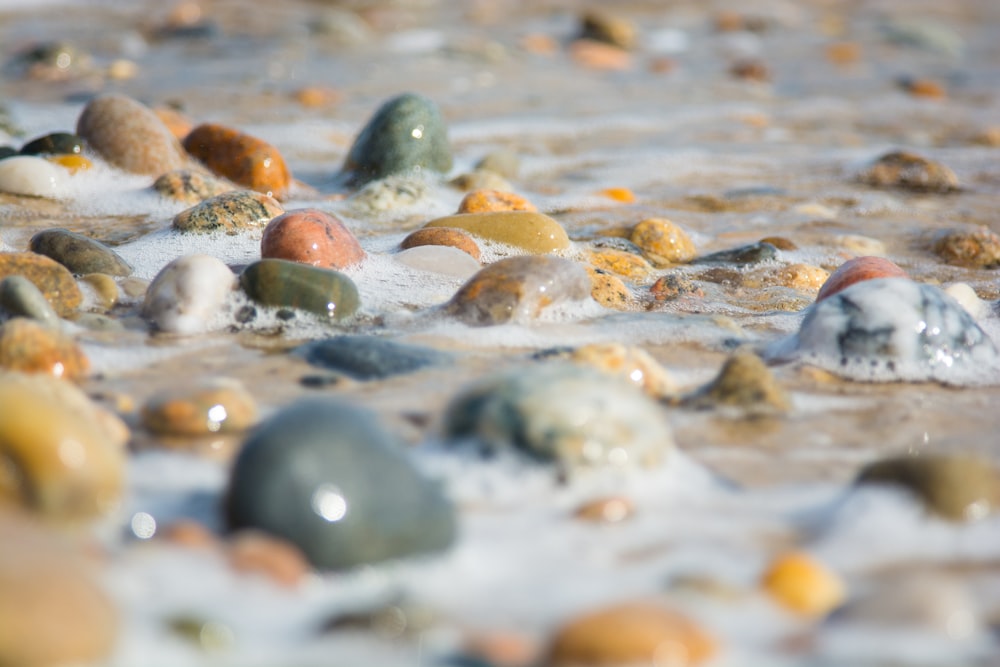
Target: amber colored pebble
802,584
311,236
779,242
281,561
73,163
539,44
856,270
924,88
241,158
313,97
31,347
673,286
728,21
843,53
605,510
599,56
620,262
189,533
663,242
623,195
484,201
609,290
178,123
446,236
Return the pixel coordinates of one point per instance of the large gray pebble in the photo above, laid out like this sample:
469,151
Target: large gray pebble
78,253
369,357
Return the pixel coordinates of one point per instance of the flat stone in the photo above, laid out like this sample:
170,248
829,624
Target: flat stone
52,278
231,212
745,383
313,237
31,347
217,405
243,159
281,283
534,232
78,253
619,262
371,357
20,298
129,136
753,253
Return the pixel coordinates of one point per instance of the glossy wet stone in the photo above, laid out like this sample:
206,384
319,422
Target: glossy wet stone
743,255
284,284
857,270
518,289
534,232
744,383
230,212
243,159
371,357
129,136
313,237
190,187
803,584
20,298
485,201
31,176
187,295
406,133
105,292
443,236
568,414
50,277
78,253
31,347
663,242
979,248
325,476
215,405
56,143
909,171
71,163
674,286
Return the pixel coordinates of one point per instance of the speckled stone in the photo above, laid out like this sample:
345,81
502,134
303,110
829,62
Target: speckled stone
56,143
325,476
129,136
631,363
371,357
534,232
619,262
190,187
753,253
187,294
20,298
312,237
78,253
31,347
801,277
443,236
486,201
744,383
280,283
406,133
243,159
517,289
673,286
215,405
909,171
609,290
230,212
857,270
979,248
52,278
31,176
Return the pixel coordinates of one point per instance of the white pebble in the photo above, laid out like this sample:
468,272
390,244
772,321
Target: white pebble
32,176
441,259
188,294
968,299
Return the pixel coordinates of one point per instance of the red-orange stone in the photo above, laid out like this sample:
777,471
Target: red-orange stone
243,159
858,269
447,236
310,236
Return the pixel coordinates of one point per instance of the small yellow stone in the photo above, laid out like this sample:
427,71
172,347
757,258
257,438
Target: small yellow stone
619,262
663,242
73,163
800,583
631,363
608,290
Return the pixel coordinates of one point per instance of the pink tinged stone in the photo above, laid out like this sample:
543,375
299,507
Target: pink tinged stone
313,237
856,270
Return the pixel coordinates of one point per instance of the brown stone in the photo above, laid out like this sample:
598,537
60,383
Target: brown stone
191,187
230,212
210,406
179,124
313,237
673,286
30,347
746,383
750,70
129,135
277,559
663,242
856,270
901,169
446,236
975,249
609,29
483,201
243,159
49,276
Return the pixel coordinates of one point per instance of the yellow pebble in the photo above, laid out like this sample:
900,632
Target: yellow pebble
800,583
73,163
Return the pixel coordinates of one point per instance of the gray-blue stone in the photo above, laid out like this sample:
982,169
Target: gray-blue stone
370,357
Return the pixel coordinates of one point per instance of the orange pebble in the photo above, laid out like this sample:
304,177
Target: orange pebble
485,201
623,195
253,551
924,88
178,124
445,236
316,96
241,158
600,56
73,163
189,533
858,269
802,584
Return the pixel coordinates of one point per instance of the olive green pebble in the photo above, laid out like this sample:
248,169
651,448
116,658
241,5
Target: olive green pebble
78,253
281,283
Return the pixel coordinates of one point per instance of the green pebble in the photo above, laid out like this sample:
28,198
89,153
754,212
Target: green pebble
284,284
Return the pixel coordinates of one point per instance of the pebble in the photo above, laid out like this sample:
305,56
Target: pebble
71,163
104,290
600,56
187,294
750,69
753,253
803,585
31,176
608,28
859,245
241,158
623,195
609,290
844,54
283,284
481,179
629,362
52,609
32,347
217,405
20,298
312,237
974,249
502,161
909,171
56,143
619,262
78,253
968,299
406,133
568,414
129,136
281,561
67,454
190,187
394,192
442,236
231,212
801,277
518,289
533,232
324,475
371,357
52,278
673,286
921,87
957,487
613,509
175,120
486,201
746,383
856,270
443,260
630,633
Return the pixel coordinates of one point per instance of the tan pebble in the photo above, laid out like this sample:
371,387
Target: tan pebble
744,382
816,211
901,169
534,232
975,249
800,583
133,287
315,97
779,242
210,406
191,187
605,510
609,29
481,179
728,21
445,236
619,262
129,135
631,363
243,159
277,559
663,242
30,347
988,137
802,277
188,533
599,56
860,245
609,290
105,289
230,212
926,88
483,201
49,276
122,69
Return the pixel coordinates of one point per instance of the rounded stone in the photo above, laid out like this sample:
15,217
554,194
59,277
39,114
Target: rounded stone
609,290
243,159
405,134
20,298
312,237
190,187
534,232
673,286
438,259
909,171
105,291
31,176
803,585
631,363
129,135
518,289
391,194
78,253
974,249
325,476
230,212
442,236
744,382
370,357
31,347
218,405
619,262
480,179
71,163
284,284
802,277
613,509
56,143
52,278
188,294
857,270
486,201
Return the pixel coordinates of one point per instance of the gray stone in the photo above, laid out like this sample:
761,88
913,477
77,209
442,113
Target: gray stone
20,298
78,253
743,255
370,357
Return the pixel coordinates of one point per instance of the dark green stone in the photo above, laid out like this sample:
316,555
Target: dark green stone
7,151
324,475
405,134
78,253
284,284
369,357
57,143
743,255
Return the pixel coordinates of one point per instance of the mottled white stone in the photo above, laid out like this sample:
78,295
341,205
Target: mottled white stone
33,176
188,294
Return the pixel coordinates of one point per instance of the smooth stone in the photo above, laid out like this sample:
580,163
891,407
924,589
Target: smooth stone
406,133
231,212
312,237
190,187
71,163
534,232
370,357
324,475
78,253
217,405
280,283
572,415
609,290
98,322
56,143
32,347
66,455
518,289
53,279
803,585
801,277
909,171
631,363
502,161
105,292
956,487
394,192
20,298
52,609
753,253
442,236
978,249
31,176
745,383
857,270
492,200
619,262
439,259
187,294
130,136
481,179
243,159
596,55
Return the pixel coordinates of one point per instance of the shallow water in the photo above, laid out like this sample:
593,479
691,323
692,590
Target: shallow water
730,161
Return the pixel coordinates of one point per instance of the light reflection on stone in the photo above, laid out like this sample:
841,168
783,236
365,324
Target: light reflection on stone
329,503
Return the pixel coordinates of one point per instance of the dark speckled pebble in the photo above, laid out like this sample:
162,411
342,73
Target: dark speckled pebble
283,283
79,254
369,357
743,255
230,212
325,476
57,143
